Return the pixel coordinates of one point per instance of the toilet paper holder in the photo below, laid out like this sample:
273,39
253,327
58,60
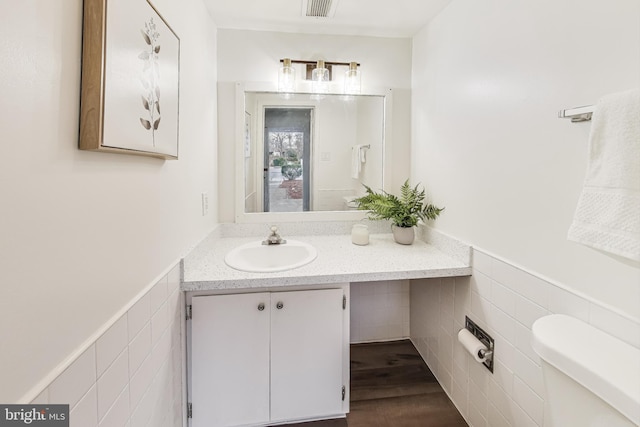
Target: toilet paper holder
485,338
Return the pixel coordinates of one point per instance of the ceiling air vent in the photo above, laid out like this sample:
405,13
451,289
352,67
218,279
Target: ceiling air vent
319,8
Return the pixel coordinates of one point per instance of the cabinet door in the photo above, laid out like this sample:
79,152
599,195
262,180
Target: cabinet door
306,354
230,360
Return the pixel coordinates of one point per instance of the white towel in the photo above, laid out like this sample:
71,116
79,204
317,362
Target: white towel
608,213
357,159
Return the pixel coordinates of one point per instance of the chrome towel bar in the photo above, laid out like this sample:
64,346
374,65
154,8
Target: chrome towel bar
578,114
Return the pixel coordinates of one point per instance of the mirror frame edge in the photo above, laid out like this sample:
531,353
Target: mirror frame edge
267,217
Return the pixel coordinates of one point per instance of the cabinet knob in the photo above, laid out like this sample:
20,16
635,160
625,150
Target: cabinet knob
261,306
279,305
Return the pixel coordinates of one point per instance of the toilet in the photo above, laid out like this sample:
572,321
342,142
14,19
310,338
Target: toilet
591,378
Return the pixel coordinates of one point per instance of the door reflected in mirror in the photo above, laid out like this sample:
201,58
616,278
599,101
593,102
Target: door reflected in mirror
286,178
311,153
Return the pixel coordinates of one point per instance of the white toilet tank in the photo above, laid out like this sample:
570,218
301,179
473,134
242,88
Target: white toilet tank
591,379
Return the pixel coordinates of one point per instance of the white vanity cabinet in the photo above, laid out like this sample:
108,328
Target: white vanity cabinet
264,358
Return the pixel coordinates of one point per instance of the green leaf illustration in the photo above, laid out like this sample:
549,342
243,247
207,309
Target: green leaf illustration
145,37
145,123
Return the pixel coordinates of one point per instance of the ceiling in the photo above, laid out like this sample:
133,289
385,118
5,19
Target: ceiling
378,18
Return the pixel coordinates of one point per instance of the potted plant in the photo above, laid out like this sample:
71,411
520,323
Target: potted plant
404,211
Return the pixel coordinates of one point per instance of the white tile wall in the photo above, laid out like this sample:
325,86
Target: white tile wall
132,375
505,301
379,310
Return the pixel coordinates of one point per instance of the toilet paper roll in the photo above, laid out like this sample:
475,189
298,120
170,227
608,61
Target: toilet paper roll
472,344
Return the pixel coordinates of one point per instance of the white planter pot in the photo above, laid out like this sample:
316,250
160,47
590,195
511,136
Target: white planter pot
403,235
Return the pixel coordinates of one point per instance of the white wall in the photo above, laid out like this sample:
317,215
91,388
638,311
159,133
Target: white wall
253,56
379,311
505,302
374,155
84,234
132,374
332,178
488,80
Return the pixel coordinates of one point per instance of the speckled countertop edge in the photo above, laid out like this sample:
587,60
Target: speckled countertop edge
338,260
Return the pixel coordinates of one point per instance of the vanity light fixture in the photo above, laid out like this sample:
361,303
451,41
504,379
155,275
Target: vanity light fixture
352,79
320,78
286,77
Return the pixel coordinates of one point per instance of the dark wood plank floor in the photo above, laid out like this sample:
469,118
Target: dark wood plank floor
391,386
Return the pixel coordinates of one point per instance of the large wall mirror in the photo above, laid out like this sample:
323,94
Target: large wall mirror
302,154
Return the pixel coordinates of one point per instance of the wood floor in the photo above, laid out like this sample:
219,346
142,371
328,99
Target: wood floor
391,386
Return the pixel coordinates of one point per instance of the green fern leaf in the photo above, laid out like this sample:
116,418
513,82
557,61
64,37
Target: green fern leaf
404,211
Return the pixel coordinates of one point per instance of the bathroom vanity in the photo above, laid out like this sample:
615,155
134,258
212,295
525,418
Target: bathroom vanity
251,353
269,348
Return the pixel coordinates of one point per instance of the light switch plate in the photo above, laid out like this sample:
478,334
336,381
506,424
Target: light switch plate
205,204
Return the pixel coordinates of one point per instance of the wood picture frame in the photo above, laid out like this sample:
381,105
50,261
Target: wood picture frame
129,98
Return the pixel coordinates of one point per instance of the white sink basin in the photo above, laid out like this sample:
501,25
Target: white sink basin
258,258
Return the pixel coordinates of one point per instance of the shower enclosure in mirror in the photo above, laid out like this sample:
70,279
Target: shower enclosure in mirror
309,153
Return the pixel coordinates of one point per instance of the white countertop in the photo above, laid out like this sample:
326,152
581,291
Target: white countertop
338,261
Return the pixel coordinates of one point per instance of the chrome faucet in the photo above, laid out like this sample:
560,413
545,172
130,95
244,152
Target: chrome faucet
274,238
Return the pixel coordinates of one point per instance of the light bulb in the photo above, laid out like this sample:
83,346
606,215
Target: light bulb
320,78
352,79
286,77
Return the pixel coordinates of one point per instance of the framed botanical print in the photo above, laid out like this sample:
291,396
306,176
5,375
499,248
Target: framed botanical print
130,80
